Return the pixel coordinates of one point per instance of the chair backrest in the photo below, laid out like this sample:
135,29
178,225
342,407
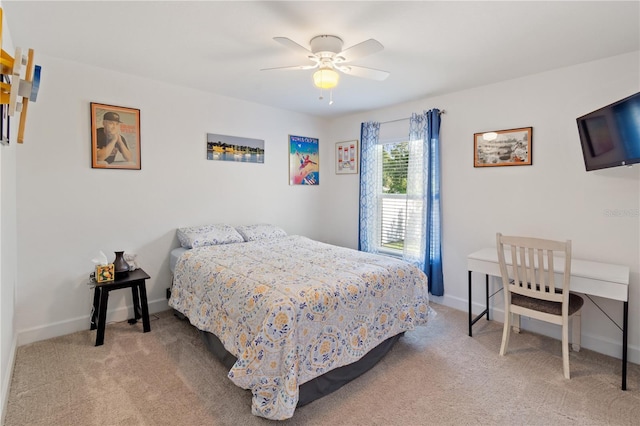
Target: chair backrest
527,266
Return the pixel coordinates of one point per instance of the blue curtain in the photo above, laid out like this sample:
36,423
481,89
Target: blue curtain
415,239
370,179
433,264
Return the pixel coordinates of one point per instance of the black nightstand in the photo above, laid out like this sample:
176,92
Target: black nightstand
134,280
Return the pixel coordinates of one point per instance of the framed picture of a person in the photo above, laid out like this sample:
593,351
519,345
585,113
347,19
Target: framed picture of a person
115,137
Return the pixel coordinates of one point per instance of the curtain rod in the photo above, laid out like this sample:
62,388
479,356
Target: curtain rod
402,119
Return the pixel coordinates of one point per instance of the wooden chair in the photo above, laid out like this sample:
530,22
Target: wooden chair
530,289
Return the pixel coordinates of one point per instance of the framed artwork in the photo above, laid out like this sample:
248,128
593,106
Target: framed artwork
347,157
4,116
234,148
115,137
5,124
304,163
503,148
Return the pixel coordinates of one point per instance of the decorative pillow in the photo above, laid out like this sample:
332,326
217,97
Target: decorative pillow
208,235
260,232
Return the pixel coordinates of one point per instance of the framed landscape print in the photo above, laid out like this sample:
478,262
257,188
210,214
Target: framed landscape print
234,148
347,157
304,163
115,137
503,148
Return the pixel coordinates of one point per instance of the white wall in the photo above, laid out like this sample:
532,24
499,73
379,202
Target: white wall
8,248
553,198
8,267
68,212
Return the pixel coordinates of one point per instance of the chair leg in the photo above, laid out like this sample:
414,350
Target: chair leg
506,331
576,331
565,349
516,323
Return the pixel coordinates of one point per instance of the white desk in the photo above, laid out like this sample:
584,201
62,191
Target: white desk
590,278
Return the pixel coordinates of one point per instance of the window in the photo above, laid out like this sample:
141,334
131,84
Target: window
393,197
400,192
400,207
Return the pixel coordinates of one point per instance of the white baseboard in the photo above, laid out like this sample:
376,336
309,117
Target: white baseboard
73,325
601,344
6,384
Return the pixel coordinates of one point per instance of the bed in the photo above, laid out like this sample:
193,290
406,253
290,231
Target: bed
285,312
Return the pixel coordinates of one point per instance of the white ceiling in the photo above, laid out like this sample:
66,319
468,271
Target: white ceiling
430,47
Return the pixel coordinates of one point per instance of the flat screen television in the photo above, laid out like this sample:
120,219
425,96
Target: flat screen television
610,136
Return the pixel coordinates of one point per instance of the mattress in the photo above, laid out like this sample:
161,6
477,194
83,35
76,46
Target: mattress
291,309
174,256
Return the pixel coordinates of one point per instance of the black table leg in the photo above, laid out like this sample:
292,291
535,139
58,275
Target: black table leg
625,325
96,308
102,317
145,309
136,305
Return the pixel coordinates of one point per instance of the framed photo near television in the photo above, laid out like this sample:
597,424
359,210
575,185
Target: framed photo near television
503,148
115,137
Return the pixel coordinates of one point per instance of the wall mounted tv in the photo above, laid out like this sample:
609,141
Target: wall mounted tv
610,136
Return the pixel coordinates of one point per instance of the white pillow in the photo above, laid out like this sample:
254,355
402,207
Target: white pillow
260,231
208,235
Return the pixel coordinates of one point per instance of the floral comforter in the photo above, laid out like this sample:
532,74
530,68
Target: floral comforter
291,309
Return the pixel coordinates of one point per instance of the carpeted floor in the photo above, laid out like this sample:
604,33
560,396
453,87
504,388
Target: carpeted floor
435,375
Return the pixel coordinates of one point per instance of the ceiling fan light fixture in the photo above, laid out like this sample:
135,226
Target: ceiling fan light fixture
325,78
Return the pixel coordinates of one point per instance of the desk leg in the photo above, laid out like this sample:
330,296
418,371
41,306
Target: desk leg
516,318
625,325
145,309
96,308
470,304
486,289
102,317
486,309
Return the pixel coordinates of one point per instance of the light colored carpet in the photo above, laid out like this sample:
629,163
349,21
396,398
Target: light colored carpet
434,375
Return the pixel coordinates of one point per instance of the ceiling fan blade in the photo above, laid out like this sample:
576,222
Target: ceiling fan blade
295,67
370,73
287,42
367,47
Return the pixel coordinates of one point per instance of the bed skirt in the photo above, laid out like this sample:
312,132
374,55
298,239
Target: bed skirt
320,386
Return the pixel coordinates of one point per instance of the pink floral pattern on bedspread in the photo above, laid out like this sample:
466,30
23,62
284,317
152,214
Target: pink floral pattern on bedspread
291,309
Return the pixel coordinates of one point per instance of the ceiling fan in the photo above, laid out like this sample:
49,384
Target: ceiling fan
327,55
